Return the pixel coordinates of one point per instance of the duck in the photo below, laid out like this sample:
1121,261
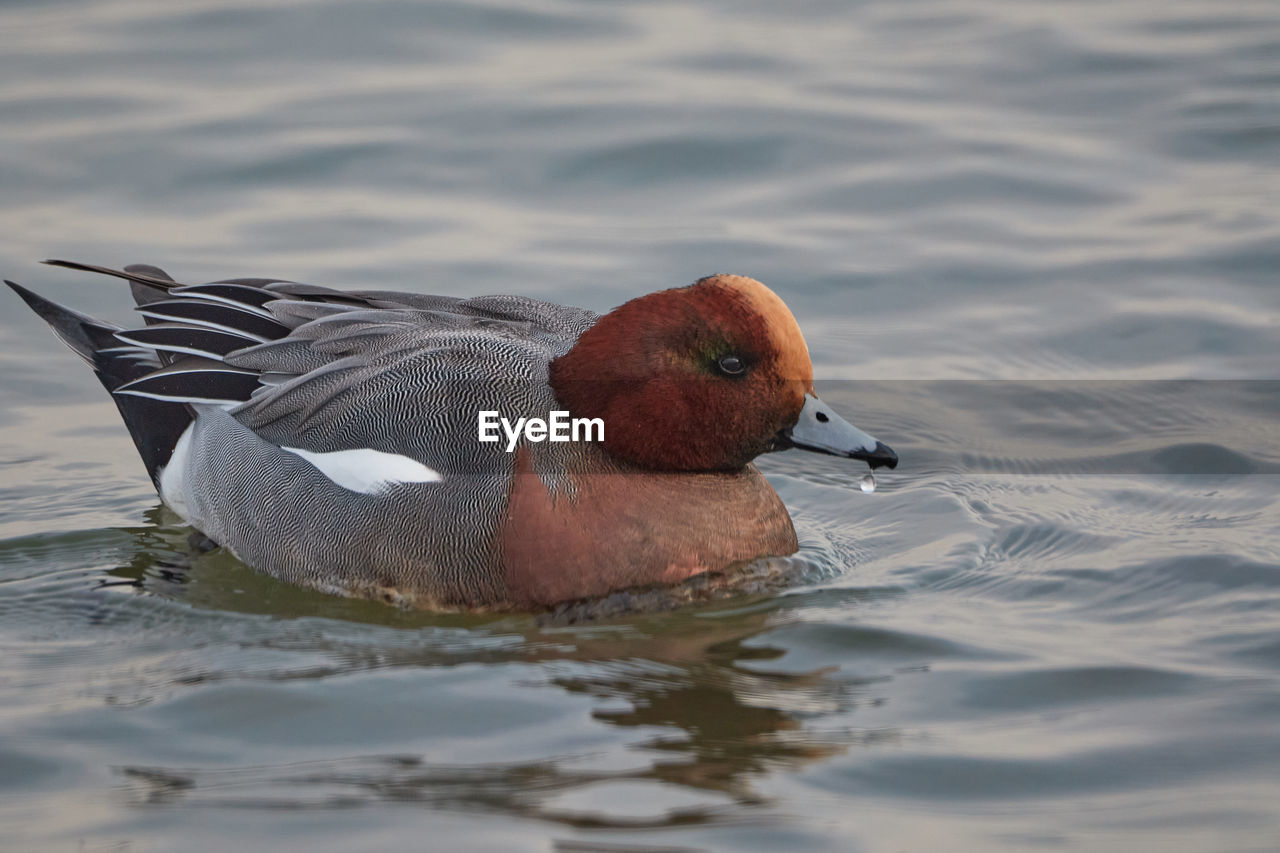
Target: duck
336,439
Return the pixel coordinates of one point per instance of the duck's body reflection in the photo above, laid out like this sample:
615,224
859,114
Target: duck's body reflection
698,678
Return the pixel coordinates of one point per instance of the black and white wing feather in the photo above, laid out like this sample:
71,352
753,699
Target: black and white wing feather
323,370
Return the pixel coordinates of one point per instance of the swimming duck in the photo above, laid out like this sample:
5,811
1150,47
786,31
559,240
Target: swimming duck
336,439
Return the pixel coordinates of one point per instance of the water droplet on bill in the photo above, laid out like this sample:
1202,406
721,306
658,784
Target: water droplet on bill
868,484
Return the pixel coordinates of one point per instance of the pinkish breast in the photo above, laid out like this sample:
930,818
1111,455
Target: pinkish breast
628,528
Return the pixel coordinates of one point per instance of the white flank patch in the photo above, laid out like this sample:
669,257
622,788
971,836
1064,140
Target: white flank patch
368,471
173,487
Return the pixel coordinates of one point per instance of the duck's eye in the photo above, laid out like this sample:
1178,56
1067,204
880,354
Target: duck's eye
731,365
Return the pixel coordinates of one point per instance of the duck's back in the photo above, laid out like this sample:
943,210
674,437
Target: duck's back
331,437
405,374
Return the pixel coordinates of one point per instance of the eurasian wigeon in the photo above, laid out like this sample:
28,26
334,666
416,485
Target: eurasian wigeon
332,438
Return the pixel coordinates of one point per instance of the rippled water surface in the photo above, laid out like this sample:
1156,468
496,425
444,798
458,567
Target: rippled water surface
1033,247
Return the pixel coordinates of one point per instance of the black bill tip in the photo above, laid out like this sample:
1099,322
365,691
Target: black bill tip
882,457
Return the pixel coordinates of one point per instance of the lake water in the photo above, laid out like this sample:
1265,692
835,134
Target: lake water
1034,247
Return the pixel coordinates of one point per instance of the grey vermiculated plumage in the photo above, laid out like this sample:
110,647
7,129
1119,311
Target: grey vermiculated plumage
395,372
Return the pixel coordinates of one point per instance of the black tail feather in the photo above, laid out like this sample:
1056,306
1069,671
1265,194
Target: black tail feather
154,425
82,333
147,283
139,273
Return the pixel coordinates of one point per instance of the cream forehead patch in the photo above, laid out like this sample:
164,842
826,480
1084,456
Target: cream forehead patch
780,325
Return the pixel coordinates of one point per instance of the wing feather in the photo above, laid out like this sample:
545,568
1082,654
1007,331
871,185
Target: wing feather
233,318
194,380
326,370
187,340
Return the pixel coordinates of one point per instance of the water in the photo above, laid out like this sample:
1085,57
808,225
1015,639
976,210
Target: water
1033,248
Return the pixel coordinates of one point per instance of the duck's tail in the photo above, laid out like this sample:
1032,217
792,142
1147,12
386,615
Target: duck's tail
155,425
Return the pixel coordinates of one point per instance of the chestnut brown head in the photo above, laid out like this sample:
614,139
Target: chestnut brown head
702,378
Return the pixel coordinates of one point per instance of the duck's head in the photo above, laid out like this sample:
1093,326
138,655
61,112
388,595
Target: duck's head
704,378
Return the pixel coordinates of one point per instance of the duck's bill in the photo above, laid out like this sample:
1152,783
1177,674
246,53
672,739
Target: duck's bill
821,430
